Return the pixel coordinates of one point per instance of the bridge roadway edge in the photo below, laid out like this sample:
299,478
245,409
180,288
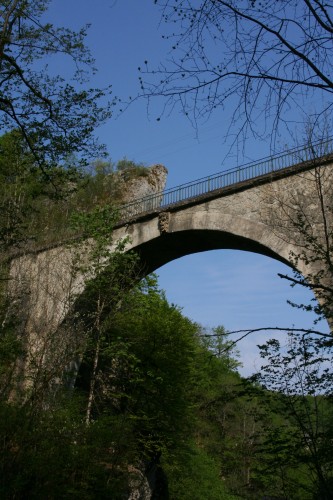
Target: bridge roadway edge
155,253
235,188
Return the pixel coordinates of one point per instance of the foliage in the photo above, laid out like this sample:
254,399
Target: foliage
130,169
142,367
195,475
19,186
105,184
54,117
141,409
301,378
53,454
164,397
161,343
30,213
154,393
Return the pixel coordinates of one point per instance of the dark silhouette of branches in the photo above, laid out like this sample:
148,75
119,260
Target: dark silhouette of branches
266,58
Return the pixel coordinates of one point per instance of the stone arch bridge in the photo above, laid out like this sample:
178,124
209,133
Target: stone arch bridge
258,207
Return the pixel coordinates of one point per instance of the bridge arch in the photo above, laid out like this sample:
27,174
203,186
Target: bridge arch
202,231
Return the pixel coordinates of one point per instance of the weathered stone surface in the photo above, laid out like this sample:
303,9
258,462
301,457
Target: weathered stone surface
151,181
164,218
137,193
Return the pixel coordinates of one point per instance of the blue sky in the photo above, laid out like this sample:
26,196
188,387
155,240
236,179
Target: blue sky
236,289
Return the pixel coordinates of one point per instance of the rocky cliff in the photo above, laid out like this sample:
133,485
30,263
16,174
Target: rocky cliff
136,189
135,184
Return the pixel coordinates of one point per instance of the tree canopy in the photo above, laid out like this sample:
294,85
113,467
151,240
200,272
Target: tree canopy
55,116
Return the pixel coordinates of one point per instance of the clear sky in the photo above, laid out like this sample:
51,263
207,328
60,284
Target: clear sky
235,289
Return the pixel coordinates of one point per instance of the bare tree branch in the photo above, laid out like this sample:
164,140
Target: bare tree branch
267,56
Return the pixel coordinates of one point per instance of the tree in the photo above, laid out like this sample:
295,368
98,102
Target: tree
265,58
17,188
299,375
300,379
55,118
151,389
108,273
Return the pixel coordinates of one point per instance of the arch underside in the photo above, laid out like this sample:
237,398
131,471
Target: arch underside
170,246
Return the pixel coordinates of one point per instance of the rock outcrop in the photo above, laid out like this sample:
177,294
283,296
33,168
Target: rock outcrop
144,182
137,189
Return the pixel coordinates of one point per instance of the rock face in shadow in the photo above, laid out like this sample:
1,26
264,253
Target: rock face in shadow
148,482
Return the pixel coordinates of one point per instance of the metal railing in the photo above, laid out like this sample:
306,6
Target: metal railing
225,179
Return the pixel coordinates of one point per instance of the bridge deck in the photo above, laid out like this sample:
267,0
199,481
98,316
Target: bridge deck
265,170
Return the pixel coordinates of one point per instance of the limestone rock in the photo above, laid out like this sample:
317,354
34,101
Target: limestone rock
137,191
149,181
